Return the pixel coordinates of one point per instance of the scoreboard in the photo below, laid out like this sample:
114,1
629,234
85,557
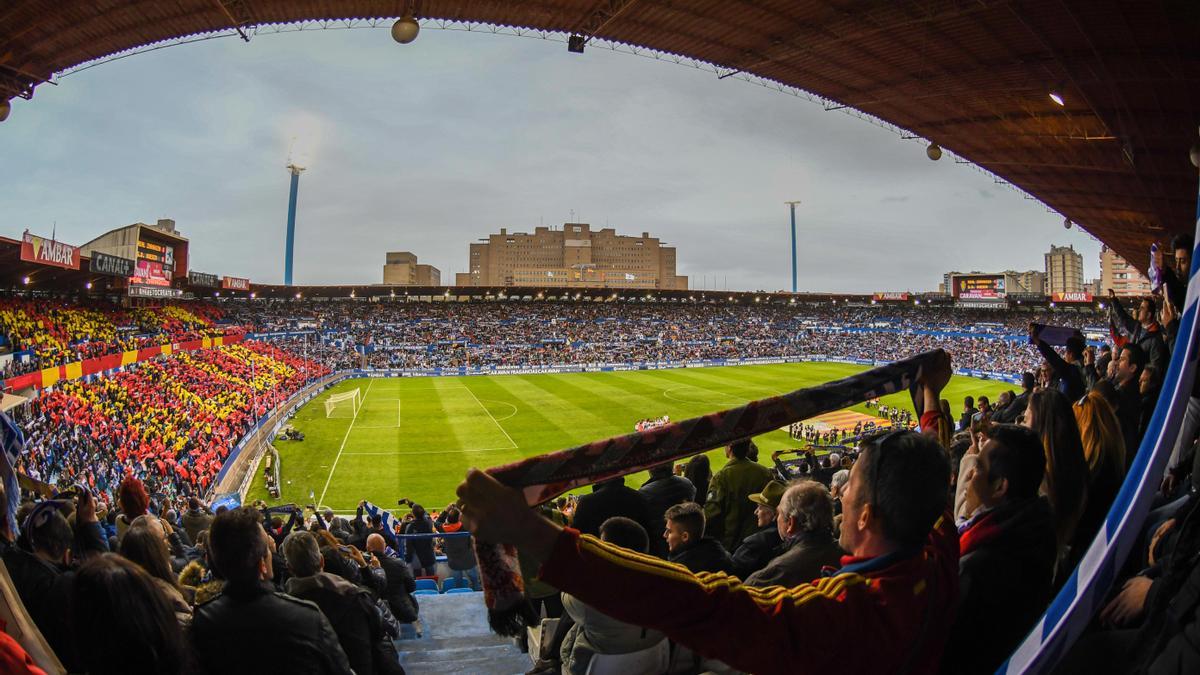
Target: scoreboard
163,254
978,286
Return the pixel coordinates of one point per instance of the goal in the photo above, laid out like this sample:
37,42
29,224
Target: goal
345,404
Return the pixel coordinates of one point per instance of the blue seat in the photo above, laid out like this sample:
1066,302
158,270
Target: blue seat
424,591
450,583
427,585
459,590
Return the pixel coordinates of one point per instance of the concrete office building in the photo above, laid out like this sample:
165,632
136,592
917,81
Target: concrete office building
574,256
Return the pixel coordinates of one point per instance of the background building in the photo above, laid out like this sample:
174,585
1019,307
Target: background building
572,256
1064,271
401,269
1116,273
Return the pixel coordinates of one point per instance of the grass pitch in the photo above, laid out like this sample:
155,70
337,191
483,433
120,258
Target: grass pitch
416,437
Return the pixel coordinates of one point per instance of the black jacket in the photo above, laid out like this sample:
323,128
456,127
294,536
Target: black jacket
45,590
756,551
1129,415
1010,412
800,563
1005,576
964,422
352,614
400,585
422,549
1070,378
608,499
1169,640
706,555
661,494
257,630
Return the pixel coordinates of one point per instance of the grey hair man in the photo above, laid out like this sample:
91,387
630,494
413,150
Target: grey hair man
349,608
805,522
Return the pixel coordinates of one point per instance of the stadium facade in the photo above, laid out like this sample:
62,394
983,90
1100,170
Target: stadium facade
575,256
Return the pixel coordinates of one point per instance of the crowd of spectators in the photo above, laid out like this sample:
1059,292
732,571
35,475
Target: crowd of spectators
936,548
421,335
151,584
171,421
49,332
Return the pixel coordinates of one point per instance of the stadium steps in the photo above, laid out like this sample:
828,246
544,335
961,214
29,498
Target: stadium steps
456,639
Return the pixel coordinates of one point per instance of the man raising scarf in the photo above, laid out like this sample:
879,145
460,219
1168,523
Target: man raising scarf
895,593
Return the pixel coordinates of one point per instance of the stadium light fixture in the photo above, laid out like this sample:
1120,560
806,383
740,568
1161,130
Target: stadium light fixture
406,29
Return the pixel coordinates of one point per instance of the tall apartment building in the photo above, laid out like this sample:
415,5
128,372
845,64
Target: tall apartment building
401,269
1064,270
574,256
1116,273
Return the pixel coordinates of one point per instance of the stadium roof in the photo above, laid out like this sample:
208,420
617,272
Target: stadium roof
974,76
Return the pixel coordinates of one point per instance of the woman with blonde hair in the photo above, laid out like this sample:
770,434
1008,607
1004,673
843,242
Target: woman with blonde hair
1066,483
1104,451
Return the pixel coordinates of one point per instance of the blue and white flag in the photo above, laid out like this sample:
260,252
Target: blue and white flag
389,521
12,444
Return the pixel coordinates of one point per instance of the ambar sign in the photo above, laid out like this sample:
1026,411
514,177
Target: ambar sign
45,251
1074,296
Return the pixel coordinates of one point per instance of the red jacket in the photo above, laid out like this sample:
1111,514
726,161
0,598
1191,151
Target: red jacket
865,621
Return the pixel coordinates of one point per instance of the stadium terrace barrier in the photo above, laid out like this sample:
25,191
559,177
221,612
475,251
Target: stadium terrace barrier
48,377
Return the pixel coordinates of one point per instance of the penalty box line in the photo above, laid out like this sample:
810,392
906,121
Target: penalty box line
344,439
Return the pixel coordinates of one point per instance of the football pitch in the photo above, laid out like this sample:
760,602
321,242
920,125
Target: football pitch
416,437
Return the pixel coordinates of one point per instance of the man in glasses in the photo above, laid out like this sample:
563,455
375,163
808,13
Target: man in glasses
894,593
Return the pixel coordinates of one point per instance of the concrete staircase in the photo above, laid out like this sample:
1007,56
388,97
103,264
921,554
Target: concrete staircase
455,638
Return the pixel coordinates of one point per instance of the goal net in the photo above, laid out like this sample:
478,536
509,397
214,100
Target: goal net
343,405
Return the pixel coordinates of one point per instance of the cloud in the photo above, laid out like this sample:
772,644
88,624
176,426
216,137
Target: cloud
430,146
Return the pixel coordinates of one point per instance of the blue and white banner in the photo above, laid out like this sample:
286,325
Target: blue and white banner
1088,587
389,521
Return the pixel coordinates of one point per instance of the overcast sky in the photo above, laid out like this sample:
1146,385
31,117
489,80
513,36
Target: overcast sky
429,146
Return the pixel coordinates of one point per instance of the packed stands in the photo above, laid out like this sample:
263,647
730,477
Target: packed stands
150,438
49,332
171,421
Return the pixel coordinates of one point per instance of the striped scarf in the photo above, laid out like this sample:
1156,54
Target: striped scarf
545,477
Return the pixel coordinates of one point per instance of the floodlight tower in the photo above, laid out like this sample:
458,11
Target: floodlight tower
792,205
295,170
